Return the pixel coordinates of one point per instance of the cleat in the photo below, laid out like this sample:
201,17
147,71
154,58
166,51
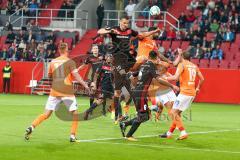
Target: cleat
28,133
74,140
165,136
123,118
131,139
183,137
116,122
123,128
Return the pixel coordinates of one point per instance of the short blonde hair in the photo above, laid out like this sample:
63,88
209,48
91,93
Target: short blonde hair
63,47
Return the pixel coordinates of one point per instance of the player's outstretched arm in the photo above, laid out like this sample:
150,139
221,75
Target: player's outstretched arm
166,83
201,80
80,80
177,60
103,31
147,34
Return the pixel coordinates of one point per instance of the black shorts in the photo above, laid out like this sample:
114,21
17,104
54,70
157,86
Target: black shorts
107,91
142,117
140,101
121,81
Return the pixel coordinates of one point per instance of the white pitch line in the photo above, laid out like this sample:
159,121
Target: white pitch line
167,147
149,136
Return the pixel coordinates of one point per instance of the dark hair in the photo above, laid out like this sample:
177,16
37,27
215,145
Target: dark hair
124,17
152,29
153,55
186,55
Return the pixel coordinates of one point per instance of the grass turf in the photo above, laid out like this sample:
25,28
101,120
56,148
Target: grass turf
50,139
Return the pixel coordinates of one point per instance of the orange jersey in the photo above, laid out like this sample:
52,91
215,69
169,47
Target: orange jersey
60,70
155,85
188,72
146,45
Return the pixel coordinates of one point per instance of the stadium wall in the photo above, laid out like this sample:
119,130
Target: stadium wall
21,76
220,86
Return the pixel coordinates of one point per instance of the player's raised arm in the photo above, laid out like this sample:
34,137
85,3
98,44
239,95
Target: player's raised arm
201,80
176,76
79,79
178,59
147,34
166,83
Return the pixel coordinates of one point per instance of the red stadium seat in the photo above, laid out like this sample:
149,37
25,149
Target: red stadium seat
204,63
224,64
175,45
185,45
140,22
166,45
211,36
225,46
235,48
234,65
237,57
237,40
214,63
228,55
195,61
3,39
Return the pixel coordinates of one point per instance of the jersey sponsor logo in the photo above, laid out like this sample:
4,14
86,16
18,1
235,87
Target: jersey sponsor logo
108,68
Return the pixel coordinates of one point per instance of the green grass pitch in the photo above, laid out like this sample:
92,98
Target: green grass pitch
214,135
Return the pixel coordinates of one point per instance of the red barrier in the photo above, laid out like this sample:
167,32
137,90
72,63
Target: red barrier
220,86
21,75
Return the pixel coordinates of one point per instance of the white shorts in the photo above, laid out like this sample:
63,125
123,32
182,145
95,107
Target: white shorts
183,102
54,102
165,97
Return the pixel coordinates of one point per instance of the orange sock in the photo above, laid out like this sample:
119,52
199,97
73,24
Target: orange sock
39,120
179,123
74,124
126,109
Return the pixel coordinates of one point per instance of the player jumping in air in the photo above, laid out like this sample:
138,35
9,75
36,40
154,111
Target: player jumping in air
145,75
186,73
62,70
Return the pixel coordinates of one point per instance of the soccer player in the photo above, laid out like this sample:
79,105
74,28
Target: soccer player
62,70
147,43
103,83
161,95
145,75
186,73
95,59
123,60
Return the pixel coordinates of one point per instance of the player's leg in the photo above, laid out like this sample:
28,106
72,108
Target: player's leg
117,106
94,105
52,104
71,104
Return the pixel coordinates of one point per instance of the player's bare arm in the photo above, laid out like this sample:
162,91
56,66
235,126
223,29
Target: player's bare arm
166,83
107,31
80,80
178,59
201,80
147,34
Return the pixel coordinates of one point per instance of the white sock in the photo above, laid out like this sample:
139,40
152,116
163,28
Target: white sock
32,128
183,133
72,136
169,133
